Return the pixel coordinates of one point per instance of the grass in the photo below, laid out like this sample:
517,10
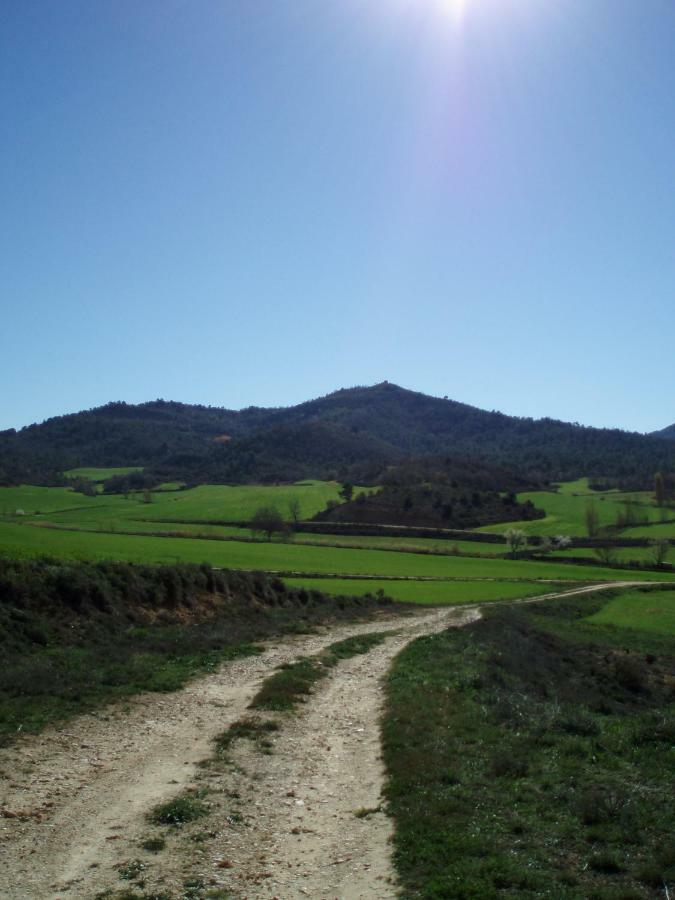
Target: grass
539,762
223,503
74,638
27,541
640,610
566,510
40,500
657,530
179,811
249,729
428,593
291,683
99,474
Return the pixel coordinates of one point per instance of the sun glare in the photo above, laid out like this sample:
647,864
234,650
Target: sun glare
453,8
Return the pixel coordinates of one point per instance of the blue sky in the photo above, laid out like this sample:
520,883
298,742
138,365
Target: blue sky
246,202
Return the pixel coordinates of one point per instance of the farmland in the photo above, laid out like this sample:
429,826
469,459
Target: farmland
566,511
639,610
428,593
203,524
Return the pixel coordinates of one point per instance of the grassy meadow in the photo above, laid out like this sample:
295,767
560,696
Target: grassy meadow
540,763
566,511
178,526
30,541
639,610
101,474
428,593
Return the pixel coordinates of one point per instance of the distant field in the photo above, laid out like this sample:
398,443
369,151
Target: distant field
35,500
652,610
660,530
566,510
115,527
427,593
27,540
95,474
218,502
622,554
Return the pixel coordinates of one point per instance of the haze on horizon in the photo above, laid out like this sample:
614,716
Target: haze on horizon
238,205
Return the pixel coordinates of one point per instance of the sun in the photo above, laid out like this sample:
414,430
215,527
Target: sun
455,9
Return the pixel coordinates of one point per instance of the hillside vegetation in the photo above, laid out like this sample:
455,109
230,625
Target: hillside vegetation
354,433
75,635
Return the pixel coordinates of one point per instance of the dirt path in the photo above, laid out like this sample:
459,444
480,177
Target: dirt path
281,825
75,799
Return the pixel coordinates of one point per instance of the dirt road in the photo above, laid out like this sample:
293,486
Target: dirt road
302,820
74,800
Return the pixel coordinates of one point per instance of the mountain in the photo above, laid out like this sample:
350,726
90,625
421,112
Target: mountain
665,433
351,433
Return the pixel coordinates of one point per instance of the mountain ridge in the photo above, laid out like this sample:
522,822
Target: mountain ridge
340,434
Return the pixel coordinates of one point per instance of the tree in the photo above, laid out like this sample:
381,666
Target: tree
592,519
606,553
659,489
294,510
516,539
560,542
266,520
347,491
660,548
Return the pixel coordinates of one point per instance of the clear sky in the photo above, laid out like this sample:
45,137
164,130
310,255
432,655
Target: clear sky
241,202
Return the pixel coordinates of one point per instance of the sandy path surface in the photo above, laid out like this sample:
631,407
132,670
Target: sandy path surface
74,800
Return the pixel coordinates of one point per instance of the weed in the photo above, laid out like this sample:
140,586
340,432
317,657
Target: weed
366,811
130,871
178,812
154,845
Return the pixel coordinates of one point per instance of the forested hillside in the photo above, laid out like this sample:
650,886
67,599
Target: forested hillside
353,433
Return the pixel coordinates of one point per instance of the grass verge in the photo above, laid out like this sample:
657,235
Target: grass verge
76,636
530,754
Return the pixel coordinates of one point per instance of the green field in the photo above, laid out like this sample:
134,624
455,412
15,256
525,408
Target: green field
652,610
27,540
174,528
540,763
39,500
427,593
622,554
566,510
658,530
98,474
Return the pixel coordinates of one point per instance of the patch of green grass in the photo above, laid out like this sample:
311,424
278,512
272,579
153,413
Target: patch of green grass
291,683
529,754
652,610
154,844
101,474
429,593
34,500
566,510
129,871
27,541
655,531
178,812
249,729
